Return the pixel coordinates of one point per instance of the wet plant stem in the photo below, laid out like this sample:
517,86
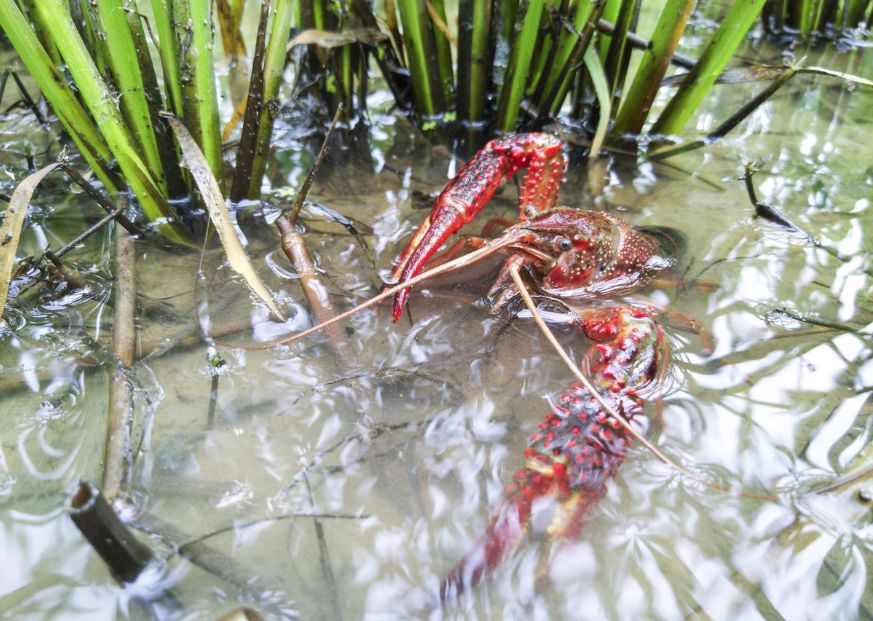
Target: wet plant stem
122,552
117,458
295,249
97,196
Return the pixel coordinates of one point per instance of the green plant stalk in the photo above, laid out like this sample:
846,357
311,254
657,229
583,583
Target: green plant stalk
104,110
443,53
854,12
199,98
474,54
523,46
274,67
555,98
638,99
615,65
566,43
163,19
611,9
60,96
421,55
176,186
712,62
35,18
122,56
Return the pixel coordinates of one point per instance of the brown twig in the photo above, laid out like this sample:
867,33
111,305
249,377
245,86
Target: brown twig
295,249
116,462
96,196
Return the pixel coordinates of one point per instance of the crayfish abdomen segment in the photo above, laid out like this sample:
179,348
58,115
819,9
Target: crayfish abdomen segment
579,446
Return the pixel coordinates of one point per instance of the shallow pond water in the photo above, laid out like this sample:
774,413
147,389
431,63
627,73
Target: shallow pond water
349,490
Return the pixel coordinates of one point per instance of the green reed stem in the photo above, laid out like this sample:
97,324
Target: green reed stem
443,51
524,44
57,92
560,67
199,99
104,110
475,49
568,71
638,100
163,19
115,34
422,57
712,62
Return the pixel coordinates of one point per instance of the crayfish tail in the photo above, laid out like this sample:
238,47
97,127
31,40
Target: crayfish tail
503,535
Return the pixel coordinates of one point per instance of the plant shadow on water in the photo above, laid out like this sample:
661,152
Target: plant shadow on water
353,491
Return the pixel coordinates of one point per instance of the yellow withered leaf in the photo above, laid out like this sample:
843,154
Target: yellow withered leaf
10,232
218,213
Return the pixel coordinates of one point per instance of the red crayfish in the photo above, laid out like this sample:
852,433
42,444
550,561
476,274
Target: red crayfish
571,255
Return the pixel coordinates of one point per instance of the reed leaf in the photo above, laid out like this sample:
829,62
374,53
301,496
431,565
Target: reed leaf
604,99
638,100
201,171
10,231
712,62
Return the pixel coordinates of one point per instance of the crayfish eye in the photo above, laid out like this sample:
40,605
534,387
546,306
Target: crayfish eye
564,243
530,211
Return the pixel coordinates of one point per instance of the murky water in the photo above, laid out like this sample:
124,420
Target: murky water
349,490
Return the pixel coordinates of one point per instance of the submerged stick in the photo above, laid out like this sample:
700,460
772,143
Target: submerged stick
116,461
122,552
297,252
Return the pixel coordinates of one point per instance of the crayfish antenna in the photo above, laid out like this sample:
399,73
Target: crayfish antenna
450,266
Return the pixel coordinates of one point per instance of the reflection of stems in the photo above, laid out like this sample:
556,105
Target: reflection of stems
116,461
324,558
201,554
237,527
110,538
842,327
